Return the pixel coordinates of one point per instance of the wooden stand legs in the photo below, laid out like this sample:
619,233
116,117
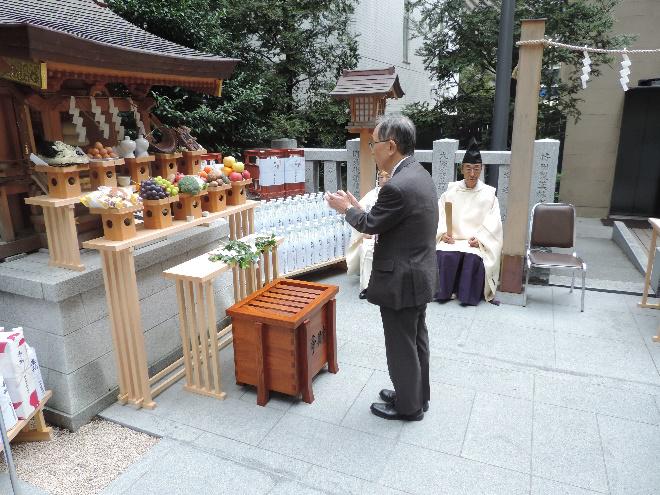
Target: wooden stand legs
199,337
127,335
62,237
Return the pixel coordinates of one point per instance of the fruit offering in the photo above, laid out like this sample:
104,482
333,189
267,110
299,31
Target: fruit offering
157,188
228,161
100,152
111,197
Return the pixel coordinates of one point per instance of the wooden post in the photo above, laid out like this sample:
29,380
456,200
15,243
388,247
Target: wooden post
449,218
522,156
367,163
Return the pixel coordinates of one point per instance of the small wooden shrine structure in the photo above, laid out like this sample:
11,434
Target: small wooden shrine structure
73,71
367,92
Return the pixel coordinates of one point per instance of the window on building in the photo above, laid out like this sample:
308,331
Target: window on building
406,30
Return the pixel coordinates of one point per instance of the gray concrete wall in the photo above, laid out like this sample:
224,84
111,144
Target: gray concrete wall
65,318
591,145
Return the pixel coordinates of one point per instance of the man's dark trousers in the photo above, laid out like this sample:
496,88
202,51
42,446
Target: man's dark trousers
407,349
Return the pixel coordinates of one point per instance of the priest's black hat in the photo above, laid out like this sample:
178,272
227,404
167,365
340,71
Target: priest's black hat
472,154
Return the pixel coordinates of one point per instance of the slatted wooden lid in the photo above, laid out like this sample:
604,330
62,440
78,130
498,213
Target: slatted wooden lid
284,300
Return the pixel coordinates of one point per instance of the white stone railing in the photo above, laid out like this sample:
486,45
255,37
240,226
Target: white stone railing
444,158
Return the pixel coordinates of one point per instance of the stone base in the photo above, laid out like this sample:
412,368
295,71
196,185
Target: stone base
65,318
510,298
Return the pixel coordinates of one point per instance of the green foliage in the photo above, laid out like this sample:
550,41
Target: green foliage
243,254
291,52
461,40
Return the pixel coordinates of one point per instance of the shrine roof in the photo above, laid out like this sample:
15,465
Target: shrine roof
372,82
88,33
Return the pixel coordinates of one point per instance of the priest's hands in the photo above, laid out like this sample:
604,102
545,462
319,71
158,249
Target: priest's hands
473,242
447,238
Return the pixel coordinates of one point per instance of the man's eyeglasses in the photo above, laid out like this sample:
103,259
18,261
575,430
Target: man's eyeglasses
468,170
372,143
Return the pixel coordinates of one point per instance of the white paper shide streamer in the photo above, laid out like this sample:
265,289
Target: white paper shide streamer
77,121
586,69
116,119
625,71
99,118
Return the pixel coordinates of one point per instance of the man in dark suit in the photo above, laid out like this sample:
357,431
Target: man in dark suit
404,273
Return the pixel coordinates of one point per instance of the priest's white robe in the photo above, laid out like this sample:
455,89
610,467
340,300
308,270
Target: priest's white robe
475,213
360,252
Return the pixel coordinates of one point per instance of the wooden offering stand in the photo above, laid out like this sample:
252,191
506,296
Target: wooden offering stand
200,339
655,224
63,182
283,335
215,199
158,212
191,164
118,223
189,205
138,168
238,193
120,281
166,164
34,428
103,173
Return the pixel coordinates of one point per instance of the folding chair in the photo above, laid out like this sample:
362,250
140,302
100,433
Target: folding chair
552,225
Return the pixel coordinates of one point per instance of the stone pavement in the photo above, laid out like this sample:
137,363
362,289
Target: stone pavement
540,400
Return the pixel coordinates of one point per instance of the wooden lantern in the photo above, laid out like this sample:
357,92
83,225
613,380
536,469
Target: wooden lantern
165,164
103,172
118,223
139,168
188,205
158,212
192,162
237,195
216,199
63,182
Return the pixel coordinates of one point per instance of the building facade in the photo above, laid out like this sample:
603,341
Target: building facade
591,145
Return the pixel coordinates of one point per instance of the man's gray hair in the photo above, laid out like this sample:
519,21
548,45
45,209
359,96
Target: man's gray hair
399,129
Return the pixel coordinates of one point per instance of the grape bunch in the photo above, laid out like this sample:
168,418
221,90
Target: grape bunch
170,188
149,189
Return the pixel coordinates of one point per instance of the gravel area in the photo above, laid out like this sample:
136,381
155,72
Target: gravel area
80,463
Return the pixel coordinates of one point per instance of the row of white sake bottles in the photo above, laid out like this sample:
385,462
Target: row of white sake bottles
281,213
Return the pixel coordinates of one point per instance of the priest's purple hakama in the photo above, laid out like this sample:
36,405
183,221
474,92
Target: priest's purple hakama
462,274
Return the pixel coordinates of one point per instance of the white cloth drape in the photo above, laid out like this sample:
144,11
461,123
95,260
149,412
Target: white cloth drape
360,252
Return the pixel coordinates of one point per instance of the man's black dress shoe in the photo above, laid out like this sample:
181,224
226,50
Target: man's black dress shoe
363,294
389,396
387,411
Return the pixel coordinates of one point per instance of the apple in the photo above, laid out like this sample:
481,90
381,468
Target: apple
238,167
235,176
246,174
228,161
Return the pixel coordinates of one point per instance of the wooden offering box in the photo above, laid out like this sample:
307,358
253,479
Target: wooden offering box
283,335
118,223
63,182
238,193
192,162
189,205
103,173
216,199
166,164
158,212
138,168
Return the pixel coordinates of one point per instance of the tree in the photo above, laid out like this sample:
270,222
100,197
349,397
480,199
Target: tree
291,51
460,46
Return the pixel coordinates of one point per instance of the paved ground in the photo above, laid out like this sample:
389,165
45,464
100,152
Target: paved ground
542,400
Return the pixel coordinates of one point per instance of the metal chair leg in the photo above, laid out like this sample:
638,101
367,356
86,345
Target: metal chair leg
584,277
572,280
529,269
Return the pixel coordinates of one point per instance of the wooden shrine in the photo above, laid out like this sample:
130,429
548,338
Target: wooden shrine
367,92
60,83
284,334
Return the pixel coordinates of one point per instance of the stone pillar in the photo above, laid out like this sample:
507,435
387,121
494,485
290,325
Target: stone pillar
544,172
443,163
331,176
522,155
353,167
504,173
367,163
311,176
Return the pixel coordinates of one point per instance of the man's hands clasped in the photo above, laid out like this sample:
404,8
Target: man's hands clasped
341,201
